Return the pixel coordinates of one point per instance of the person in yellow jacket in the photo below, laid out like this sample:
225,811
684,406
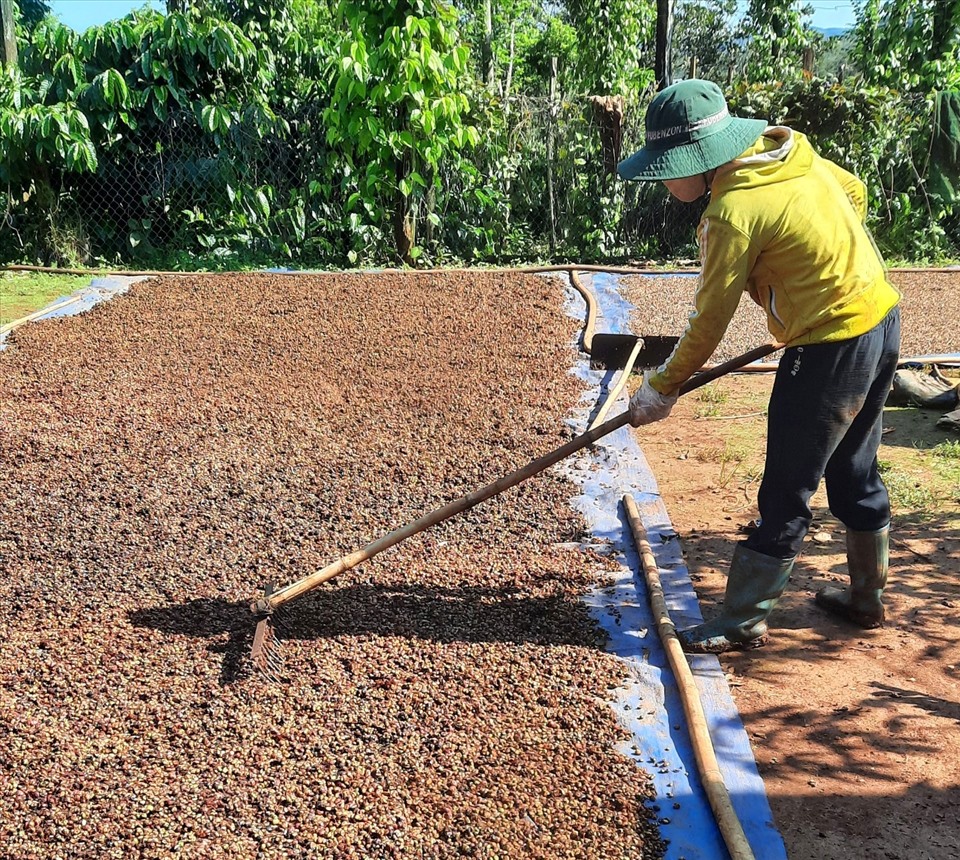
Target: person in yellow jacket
786,226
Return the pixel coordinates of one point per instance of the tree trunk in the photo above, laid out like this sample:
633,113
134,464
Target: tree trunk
404,214
608,115
664,53
9,34
429,207
404,217
509,82
488,45
550,133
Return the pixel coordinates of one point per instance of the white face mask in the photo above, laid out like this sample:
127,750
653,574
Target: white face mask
687,189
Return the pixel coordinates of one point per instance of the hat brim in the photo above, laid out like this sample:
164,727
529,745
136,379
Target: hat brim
698,156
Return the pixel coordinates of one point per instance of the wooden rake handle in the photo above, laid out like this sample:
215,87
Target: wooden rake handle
269,602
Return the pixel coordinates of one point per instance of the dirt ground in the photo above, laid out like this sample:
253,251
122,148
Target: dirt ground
855,732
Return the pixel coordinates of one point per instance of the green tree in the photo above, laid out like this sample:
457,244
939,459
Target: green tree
398,109
835,58
704,30
909,44
776,35
506,38
616,42
296,35
101,102
32,12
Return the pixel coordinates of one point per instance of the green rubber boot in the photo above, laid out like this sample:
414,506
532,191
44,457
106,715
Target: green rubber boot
754,586
868,559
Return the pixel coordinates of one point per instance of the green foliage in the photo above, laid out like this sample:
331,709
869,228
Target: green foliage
704,29
398,109
909,44
90,103
234,133
29,13
514,57
615,38
949,450
39,136
776,35
877,134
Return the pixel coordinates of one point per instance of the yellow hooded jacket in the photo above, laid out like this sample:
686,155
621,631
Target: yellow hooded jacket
786,226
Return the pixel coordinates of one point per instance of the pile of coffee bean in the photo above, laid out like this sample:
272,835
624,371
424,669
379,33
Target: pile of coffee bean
169,452
930,314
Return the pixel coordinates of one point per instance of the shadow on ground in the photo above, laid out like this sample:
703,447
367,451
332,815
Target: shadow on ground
919,822
417,612
914,428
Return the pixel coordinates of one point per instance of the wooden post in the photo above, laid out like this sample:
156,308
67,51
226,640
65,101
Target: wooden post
808,62
430,206
664,52
509,82
9,33
693,68
488,44
404,214
552,114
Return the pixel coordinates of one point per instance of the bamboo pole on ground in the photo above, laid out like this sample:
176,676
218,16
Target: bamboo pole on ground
707,765
10,326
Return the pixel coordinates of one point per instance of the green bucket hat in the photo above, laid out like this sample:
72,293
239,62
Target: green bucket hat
689,131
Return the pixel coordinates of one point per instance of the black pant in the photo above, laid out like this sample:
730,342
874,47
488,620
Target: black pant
825,421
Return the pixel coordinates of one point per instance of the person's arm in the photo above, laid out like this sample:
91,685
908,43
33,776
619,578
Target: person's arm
727,259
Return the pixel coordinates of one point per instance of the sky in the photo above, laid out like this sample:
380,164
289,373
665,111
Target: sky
80,14
826,13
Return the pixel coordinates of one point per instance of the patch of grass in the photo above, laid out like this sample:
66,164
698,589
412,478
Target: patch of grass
945,463
731,459
909,492
722,454
949,450
711,393
22,293
924,477
709,399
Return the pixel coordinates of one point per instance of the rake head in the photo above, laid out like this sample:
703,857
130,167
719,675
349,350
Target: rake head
266,654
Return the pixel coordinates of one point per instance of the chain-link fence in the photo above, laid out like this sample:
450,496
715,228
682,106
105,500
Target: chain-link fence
540,186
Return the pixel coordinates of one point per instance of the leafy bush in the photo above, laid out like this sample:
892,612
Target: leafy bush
355,133
880,135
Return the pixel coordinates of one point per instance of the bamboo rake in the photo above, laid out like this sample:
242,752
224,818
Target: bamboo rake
268,603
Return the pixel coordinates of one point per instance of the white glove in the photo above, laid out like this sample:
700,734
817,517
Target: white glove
648,405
